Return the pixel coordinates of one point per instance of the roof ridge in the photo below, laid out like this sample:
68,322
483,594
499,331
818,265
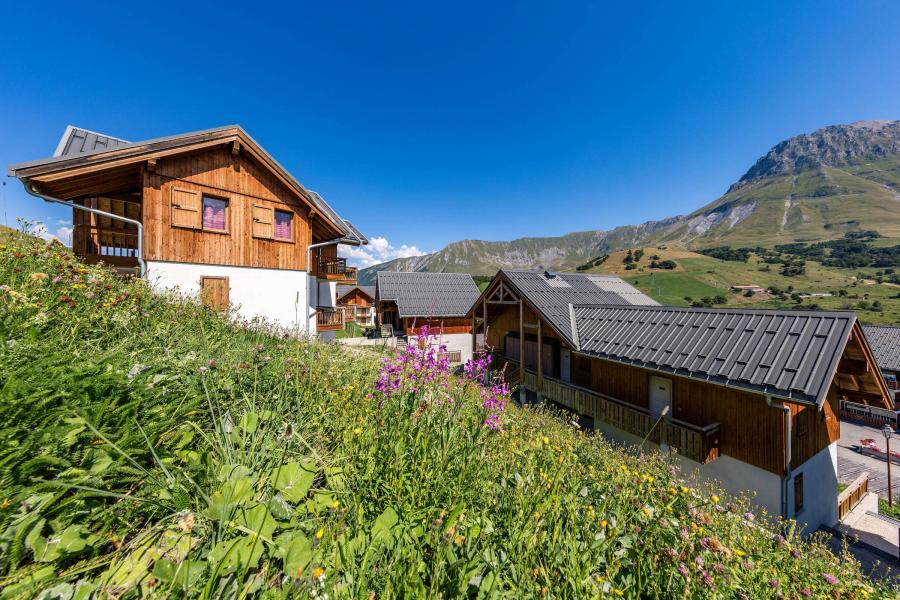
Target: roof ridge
726,310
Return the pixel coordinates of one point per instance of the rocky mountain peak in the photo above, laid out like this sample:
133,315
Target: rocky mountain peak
835,145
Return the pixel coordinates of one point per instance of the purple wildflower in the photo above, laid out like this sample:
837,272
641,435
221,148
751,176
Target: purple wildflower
683,570
830,579
749,516
773,583
806,592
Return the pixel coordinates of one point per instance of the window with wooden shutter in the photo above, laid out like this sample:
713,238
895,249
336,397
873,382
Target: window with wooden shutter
214,293
185,208
263,222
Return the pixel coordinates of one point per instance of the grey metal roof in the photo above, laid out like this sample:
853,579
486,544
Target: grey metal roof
791,354
76,140
62,160
885,344
343,290
552,293
428,294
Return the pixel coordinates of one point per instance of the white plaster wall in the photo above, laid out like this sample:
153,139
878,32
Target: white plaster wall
459,341
274,294
327,294
819,490
762,487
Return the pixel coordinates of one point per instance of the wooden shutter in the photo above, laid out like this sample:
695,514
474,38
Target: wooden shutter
798,493
214,293
185,208
263,222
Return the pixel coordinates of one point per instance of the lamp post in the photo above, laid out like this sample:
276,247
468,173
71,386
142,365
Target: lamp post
887,431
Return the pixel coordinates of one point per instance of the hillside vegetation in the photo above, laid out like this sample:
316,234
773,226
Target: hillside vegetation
151,448
697,276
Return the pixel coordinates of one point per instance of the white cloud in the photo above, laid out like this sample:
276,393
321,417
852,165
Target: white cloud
63,234
63,221
379,250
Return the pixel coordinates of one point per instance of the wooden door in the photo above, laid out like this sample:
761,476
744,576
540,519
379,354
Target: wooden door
661,397
214,293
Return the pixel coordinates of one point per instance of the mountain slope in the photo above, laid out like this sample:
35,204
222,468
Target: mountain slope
813,186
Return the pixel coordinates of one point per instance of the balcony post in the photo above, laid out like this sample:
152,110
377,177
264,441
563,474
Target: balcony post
540,360
522,395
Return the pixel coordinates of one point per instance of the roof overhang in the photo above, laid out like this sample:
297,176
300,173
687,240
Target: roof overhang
48,170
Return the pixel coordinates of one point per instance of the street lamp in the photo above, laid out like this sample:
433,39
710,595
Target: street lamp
887,431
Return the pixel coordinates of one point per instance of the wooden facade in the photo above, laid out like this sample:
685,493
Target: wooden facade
514,330
163,185
387,313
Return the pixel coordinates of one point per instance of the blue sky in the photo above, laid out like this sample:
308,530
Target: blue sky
426,123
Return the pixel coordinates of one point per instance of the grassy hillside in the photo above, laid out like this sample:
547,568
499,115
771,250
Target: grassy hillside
697,276
151,448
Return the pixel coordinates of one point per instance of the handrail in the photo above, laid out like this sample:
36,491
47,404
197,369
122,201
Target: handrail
698,442
852,495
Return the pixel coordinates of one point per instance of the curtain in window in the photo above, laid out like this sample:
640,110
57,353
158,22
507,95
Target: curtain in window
283,224
214,213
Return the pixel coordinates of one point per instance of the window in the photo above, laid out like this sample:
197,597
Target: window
214,214
798,493
283,220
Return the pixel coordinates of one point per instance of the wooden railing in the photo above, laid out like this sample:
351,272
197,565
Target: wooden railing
850,497
329,318
337,267
700,444
872,415
92,241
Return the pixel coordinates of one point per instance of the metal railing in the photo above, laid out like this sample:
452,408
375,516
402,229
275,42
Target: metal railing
851,496
700,444
872,415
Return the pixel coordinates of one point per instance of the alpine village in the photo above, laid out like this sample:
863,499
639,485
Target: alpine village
204,399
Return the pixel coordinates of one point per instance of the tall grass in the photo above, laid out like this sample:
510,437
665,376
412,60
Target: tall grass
149,447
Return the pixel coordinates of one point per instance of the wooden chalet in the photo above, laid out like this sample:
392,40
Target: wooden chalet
746,397
406,301
358,304
885,342
210,213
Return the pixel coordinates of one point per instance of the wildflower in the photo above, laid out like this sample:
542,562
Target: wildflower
773,583
778,539
186,522
319,534
683,570
357,431
604,523
618,592
830,579
318,573
714,499
740,552
749,516
38,276
806,592
684,490
707,579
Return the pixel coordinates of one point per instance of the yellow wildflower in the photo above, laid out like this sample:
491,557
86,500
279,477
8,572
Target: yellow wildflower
714,499
357,431
319,534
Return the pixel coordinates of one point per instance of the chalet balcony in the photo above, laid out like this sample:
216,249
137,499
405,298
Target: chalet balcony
700,444
336,269
329,319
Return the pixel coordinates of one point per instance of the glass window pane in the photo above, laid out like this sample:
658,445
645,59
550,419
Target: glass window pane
283,224
214,213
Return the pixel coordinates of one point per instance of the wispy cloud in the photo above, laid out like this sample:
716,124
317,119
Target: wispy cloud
379,250
63,234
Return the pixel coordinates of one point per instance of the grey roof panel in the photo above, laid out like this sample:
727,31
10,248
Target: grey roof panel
428,294
552,293
76,140
343,290
885,344
789,354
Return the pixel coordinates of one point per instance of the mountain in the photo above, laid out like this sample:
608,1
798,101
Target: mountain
809,187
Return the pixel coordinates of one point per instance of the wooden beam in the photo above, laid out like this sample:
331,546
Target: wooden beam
540,358
151,165
863,397
521,351
235,148
853,366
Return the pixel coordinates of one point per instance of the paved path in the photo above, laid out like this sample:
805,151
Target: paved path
851,463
